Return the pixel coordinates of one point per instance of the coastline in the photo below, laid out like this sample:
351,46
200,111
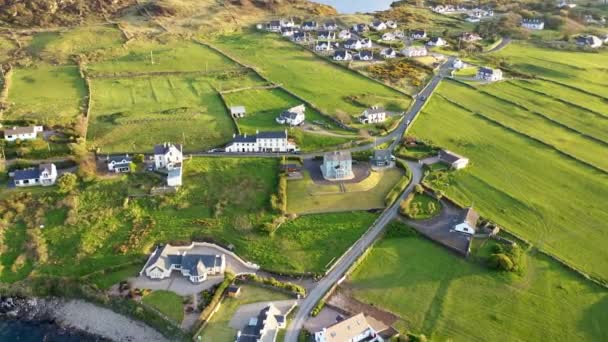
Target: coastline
79,318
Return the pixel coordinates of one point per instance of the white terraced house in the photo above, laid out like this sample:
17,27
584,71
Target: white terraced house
45,175
261,142
197,267
22,133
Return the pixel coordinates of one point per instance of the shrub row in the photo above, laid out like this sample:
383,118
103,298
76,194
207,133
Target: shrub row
215,300
392,196
317,309
291,287
278,201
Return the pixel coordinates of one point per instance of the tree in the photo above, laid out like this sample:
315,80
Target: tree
138,158
67,183
419,189
501,262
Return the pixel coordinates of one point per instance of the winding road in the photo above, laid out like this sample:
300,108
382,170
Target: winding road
343,264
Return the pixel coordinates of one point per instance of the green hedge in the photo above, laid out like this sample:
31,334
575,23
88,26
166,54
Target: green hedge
296,289
317,309
214,302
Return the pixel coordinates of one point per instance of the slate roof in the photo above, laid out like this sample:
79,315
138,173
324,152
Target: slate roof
449,156
120,159
418,33
164,148
24,174
487,71
374,110
337,156
382,154
366,53
309,24
20,130
244,138
341,53
267,318
470,217
272,135
169,255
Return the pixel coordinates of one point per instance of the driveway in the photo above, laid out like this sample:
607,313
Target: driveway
246,312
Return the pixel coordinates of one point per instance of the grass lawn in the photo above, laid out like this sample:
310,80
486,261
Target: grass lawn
106,280
304,196
328,86
523,185
134,114
218,328
427,206
7,46
50,95
144,56
449,298
167,302
15,263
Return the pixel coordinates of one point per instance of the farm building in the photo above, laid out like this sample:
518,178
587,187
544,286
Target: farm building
238,111
337,165
293,116
489,74
414,51
22,133
452,159
353,329
468,223
119,164
196,267
373,115
382,158
261,142
264,327
45,175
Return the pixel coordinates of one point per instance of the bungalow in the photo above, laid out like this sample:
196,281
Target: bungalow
323,46
344,34
489,74
458,64
391,24
287,31
264,327
287,23
470,37
365,55
342,55
299,36
373,115
44,174
378,25
468,223
22,133
388,53
309,25
388,37
353,329
293,117
238,111
326,35
418,34
452,159
414,51
437,41
589,41
330,25
382,158
533,24
353,44
360,28
337,165
261,142
168,156
197,267
119,164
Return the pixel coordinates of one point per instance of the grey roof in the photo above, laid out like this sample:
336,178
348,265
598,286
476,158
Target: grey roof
324,33
488,71
299,34
435,39
275,23
418,33
337,156
254,332
351,41
120,159
361,27
377,22
169,255
288,115
244,138
449,157
191,262
309,24
340,53
382,154
164,148
366,53
20,130
375,110
272,135
24,174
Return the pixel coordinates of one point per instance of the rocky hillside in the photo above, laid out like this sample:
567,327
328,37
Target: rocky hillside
42,13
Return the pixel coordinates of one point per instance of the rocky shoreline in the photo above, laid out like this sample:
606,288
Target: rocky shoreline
78,318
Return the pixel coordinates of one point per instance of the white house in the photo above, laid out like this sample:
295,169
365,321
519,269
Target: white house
418,34
388,53
330,25
22,133
299,36
360,28
293,116
470,37
197,267
353,44
414,51
378,25
287,31
309,25
274,26
468,223
261,142
174,177
119,164
238,111
365,55
342,55
337,165
344,35
44,174
489,74
391,24
588,40
373,115
326,35
287,23
388,37
168,156
264,327
353,329
323,46
533,24
454,160
437,41
458,64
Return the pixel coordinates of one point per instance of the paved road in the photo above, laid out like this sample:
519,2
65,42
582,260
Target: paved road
505,41
345,262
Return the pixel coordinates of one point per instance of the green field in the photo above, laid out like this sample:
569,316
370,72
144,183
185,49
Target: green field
50,95
525,186
218,328
451,299
134,114
6,48
304,196
168,303
327,86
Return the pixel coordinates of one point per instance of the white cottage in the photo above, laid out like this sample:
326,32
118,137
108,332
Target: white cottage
293,116
373,115
45,175
119,164
22,133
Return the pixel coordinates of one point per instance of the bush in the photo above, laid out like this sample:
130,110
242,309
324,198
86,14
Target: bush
67,183
317,309
296,289
392,196
501,261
